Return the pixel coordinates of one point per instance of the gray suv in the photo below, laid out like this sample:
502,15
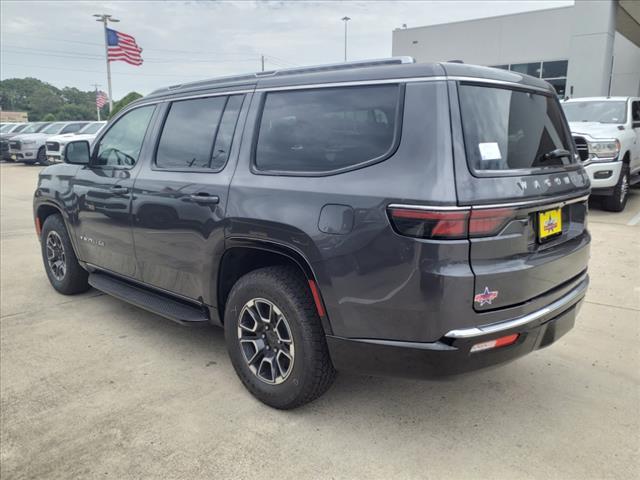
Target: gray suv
381,217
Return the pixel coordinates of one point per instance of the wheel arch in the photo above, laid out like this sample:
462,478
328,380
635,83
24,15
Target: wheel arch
45,209
242,256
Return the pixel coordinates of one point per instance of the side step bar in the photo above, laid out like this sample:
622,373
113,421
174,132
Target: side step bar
157,303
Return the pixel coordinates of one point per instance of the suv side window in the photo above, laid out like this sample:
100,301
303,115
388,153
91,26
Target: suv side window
327,129
121,145
187,136
72,128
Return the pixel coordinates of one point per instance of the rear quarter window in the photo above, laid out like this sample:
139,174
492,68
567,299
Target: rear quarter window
508,129
327,130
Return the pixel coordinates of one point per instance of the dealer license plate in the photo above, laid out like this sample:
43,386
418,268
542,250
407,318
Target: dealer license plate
549,224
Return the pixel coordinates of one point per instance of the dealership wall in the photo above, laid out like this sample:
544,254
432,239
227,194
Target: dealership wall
583,34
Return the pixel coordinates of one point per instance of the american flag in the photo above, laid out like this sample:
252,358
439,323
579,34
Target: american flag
121,46
101,99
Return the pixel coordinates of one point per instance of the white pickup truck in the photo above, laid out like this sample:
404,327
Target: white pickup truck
606,131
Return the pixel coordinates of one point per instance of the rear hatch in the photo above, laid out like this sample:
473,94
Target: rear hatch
516,169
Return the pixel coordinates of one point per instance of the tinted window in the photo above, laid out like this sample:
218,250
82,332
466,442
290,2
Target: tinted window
326,129
508,129
189,132
635,111
72,128
554,69
121,145
532,69
595,111
224,137
20,128
501,67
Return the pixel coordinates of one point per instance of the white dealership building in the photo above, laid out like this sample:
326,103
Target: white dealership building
589,49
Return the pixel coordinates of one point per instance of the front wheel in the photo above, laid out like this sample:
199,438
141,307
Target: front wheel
60,261
275,338
617,201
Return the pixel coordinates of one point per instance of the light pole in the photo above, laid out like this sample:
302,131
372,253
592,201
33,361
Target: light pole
105,18
345,20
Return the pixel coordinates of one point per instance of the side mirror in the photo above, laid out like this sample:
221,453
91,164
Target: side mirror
77,153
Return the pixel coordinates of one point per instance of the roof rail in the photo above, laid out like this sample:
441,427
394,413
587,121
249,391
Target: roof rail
339,66
294,70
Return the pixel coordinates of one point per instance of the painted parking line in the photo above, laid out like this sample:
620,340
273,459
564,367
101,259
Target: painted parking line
635,220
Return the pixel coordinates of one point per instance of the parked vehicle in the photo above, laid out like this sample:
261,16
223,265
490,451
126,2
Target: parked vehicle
382,217
30,148
55,145
23,128
606,131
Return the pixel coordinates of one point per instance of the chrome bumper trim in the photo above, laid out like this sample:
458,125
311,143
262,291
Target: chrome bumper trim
578,291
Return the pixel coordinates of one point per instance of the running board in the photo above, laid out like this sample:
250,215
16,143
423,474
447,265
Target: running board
157,303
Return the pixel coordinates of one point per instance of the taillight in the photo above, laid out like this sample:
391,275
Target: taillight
434,224
450,224
485,223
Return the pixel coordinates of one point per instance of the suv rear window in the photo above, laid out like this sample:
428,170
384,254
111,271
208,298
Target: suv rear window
511,129
326,130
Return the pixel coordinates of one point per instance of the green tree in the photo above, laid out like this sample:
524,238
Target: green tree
39,99
49,117
124,101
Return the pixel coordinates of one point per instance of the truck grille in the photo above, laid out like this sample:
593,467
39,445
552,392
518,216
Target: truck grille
53,146
581,147
15,145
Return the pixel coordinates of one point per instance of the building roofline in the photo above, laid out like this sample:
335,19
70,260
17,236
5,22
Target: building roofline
484,18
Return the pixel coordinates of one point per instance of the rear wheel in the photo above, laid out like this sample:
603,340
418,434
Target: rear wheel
617,201
60,261
275,339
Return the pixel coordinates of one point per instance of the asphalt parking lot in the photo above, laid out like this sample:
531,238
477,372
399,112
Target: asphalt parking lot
93,387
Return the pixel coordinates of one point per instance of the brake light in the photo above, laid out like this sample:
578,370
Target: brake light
38,226
497,343
485,223
449,225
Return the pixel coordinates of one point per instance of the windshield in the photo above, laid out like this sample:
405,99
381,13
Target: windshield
32,128
602,112
20,128
511,129
54,128
92,128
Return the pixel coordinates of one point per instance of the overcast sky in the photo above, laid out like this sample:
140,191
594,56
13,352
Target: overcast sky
60,43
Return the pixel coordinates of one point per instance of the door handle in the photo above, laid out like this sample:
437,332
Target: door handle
204,198
119,190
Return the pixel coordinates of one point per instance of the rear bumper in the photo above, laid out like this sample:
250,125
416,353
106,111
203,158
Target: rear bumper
451,354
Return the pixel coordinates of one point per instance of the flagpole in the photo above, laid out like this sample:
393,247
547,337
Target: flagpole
105,18
97,107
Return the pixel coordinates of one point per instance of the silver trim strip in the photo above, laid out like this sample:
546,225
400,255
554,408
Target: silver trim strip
403,80
543,202
428,207
531,317
351,84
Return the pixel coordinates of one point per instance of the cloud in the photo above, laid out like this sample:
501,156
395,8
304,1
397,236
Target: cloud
59,42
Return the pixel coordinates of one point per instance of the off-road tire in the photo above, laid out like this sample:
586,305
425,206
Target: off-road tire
617,201
75,278
312,372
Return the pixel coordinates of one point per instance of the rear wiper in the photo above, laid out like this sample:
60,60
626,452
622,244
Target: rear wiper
557,153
